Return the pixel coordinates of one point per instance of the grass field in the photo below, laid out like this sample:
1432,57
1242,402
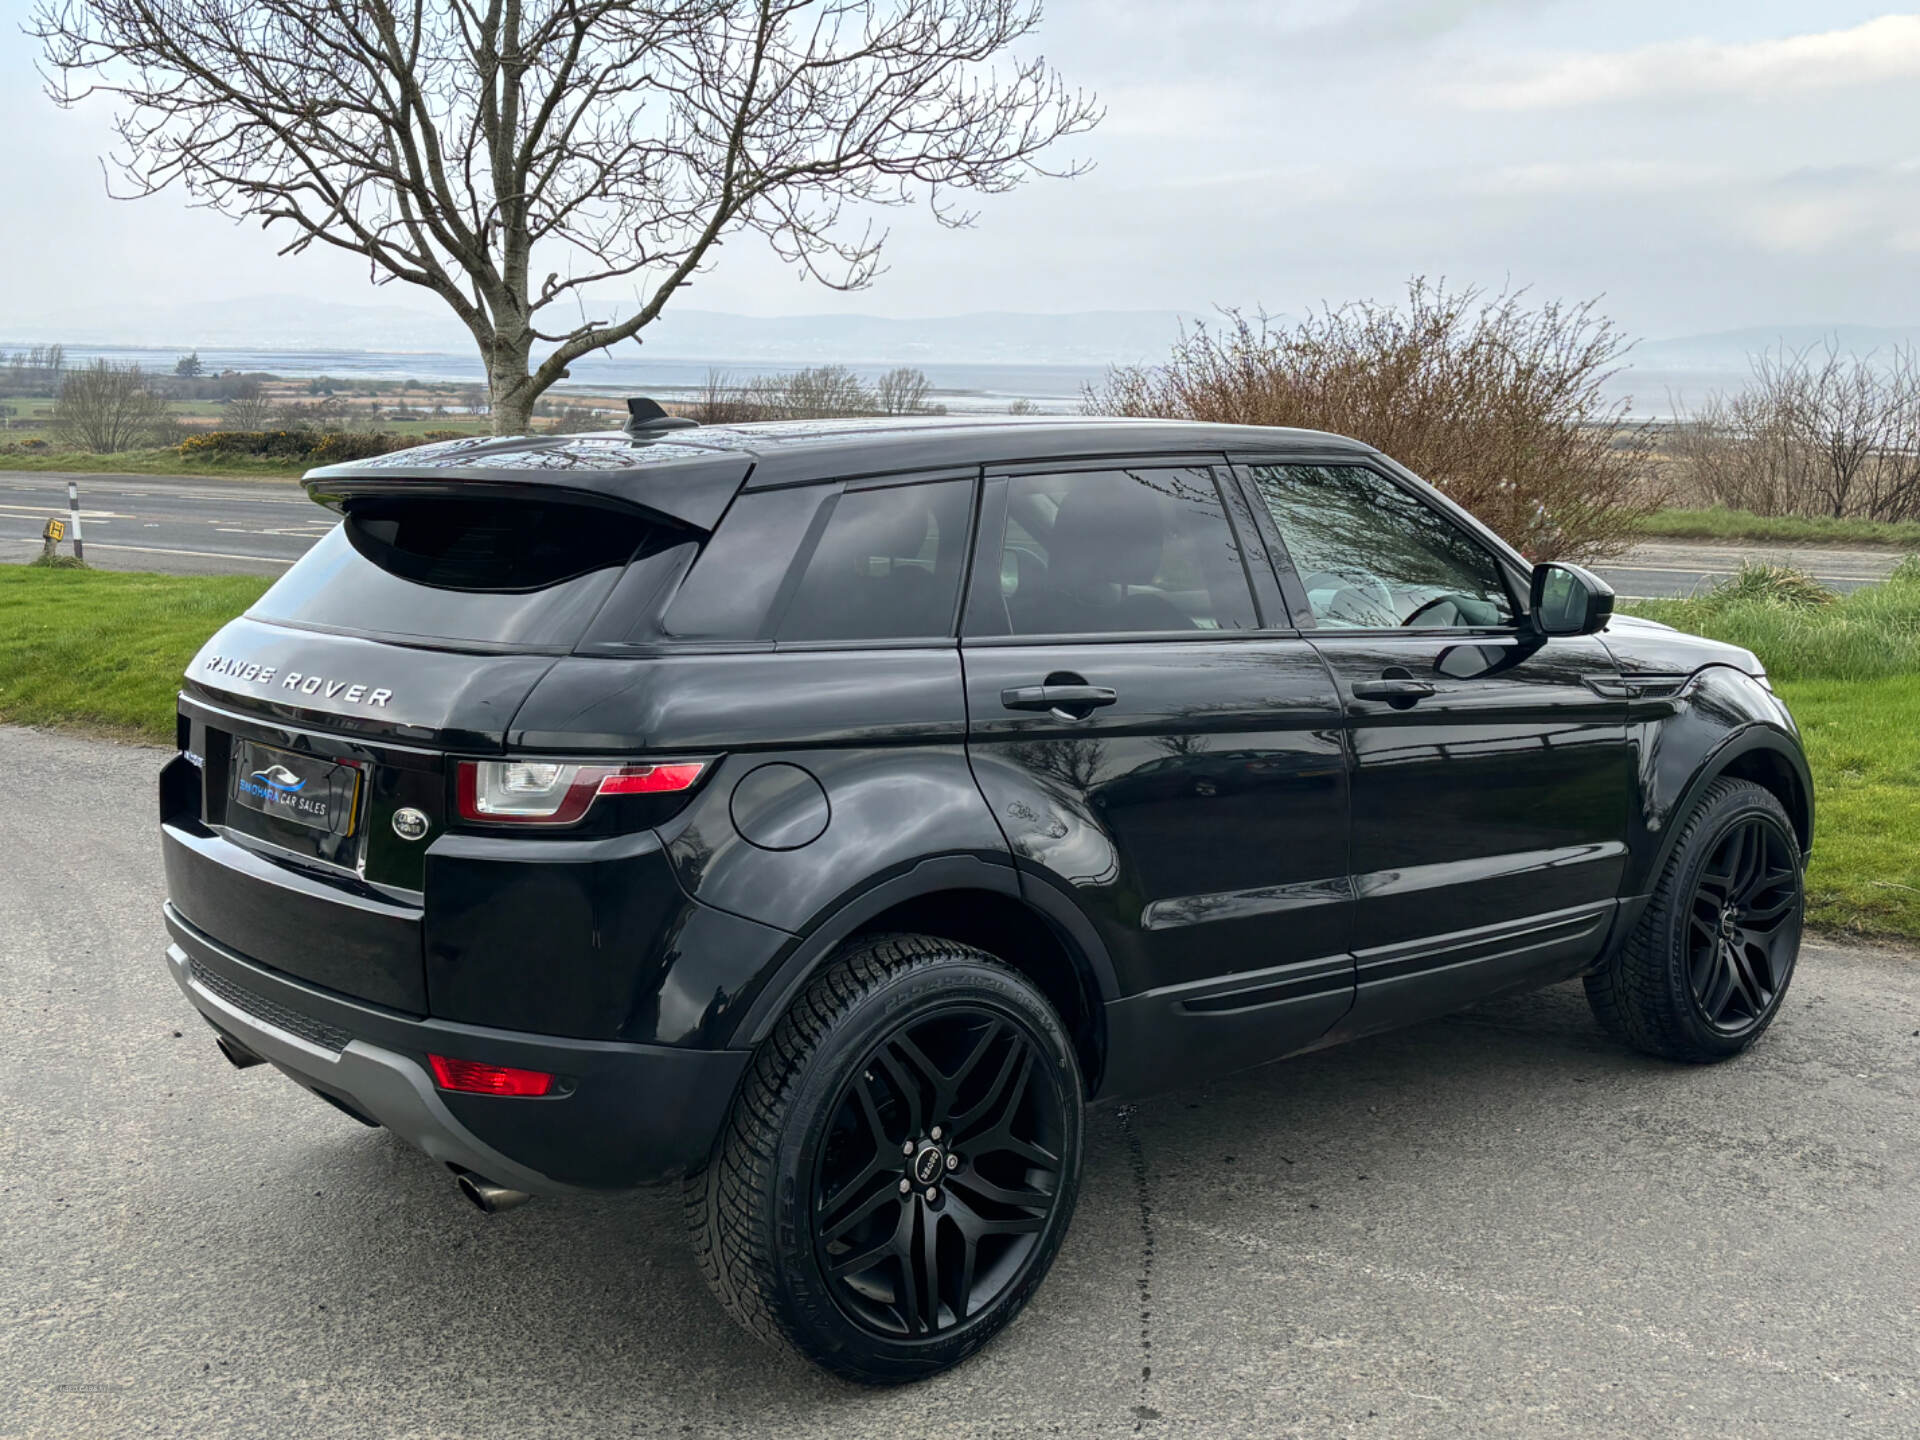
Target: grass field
1736,525
145,462
104,651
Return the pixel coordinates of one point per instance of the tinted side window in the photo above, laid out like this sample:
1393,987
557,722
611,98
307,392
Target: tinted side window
730,594
887,566
1117,551
1374,556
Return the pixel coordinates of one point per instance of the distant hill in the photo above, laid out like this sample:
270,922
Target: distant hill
285,322
1730,349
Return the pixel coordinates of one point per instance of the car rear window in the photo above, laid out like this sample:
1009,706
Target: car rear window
493,573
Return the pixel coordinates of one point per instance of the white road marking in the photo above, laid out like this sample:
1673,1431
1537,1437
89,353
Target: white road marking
62,509
1729,570
162,550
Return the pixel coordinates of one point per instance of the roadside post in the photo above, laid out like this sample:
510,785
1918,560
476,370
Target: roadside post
73,512
50,537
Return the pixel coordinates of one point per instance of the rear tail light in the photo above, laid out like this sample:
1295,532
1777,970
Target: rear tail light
545,792
473,1078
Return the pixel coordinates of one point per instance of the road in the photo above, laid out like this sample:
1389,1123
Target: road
259,527
1495,1224
181,527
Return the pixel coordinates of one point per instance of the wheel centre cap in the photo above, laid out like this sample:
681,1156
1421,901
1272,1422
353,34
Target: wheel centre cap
928,1164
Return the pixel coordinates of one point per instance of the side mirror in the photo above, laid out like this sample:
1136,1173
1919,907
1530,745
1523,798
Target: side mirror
1568,600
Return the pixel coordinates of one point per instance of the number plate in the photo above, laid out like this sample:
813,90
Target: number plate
304,790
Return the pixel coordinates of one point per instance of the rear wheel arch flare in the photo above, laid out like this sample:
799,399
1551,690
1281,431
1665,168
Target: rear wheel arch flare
1017,934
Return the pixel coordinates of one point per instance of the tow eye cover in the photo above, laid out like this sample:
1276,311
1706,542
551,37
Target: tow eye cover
779,807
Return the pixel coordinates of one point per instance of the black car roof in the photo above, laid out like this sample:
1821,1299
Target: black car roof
691,474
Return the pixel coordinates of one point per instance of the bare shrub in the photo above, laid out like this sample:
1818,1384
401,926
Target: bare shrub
249,408
1496,402
106,409
1816,433
818,392
822,392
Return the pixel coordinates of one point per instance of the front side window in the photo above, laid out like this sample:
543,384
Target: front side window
1374,556
1116,552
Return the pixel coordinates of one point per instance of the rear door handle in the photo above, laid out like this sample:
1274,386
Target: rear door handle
1058,697
1407,691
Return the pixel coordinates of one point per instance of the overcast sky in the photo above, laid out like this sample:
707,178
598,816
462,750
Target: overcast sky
1704,164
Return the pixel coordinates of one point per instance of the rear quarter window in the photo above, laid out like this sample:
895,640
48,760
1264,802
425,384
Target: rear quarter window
820,564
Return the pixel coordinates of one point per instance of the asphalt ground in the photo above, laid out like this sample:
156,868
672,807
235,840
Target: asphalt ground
259,527
1500,1223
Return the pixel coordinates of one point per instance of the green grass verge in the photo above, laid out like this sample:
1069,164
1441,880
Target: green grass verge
1720,524
1871,634
104,650
1849,669
1863,742
168,461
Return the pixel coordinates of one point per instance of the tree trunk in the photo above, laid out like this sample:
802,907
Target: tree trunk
509,385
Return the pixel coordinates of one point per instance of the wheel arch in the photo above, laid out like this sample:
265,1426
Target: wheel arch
1762,755
970,902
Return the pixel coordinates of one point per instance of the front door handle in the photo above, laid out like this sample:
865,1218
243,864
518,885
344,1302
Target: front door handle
1058,697
1395,686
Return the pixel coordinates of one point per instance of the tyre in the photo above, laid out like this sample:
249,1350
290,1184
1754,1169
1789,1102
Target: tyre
1704,972
900,1166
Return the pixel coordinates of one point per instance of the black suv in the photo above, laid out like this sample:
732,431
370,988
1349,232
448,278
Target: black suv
826,813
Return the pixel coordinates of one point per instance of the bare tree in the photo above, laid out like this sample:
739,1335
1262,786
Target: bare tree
902,391
107,409
511,155
1815,433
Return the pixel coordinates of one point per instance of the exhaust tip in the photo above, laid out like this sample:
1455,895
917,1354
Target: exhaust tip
237,1054
487,1197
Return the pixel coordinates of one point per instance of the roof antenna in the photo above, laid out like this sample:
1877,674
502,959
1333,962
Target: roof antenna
646,418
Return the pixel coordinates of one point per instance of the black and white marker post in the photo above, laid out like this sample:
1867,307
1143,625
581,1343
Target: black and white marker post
73,513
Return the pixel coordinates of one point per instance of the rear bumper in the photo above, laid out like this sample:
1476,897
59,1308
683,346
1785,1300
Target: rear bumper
630,1115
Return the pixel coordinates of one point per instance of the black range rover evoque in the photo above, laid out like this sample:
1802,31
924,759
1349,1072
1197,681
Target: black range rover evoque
826,813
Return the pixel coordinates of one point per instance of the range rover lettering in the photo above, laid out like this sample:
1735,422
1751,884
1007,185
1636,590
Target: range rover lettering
822,816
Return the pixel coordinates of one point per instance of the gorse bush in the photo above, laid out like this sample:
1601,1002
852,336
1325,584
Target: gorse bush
1497,403
1871,634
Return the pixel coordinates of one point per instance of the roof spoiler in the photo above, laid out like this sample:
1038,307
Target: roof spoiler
692,489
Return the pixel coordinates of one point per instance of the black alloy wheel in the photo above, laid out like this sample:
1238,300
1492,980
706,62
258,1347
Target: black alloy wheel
939,1172
900,1165
1704,972
1744,926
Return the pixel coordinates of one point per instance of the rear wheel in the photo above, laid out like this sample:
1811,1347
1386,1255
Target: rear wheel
1704,972
900,1167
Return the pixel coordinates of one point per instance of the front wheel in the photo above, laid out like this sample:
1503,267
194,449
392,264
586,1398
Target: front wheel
899,1169
1704,972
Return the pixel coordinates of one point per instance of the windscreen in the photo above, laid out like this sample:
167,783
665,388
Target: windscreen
498,574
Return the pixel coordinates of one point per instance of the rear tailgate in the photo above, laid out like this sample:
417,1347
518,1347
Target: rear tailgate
407,637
